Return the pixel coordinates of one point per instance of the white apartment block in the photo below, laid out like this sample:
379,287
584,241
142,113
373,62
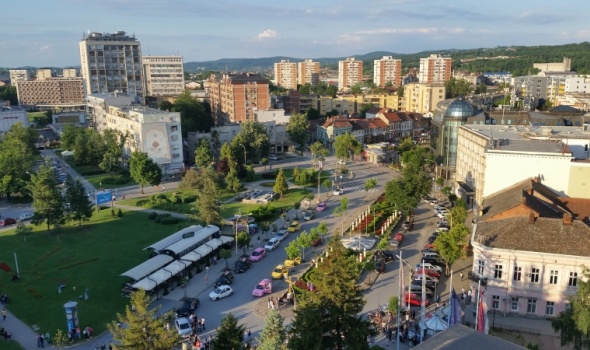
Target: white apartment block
111,63
286,74
350,72
308,72
155,132
435,69
577,84
564,66
164,75
387,70
70,73
17,75
44,74
492,157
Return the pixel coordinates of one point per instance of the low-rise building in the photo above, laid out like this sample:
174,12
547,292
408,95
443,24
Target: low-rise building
17,75
155,132
529,249
10,115
51,92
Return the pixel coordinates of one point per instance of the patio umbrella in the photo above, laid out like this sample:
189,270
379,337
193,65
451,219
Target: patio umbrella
435,323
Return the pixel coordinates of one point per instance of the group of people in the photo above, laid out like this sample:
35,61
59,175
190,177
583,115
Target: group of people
77,333
4,299
198,326
103,347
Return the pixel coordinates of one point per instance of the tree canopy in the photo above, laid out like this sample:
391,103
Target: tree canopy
297,129
274,332
574,323
281,187
194,115
144,170
229,334
48,203
346,146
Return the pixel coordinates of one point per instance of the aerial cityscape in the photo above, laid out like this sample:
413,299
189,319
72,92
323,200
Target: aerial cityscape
233,176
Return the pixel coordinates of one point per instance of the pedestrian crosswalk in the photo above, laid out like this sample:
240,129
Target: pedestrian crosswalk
360,188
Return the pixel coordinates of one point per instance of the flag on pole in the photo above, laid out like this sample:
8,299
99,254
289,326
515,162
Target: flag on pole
403,286
482,319
455,304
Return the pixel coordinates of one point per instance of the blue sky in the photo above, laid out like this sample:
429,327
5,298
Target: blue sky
47,32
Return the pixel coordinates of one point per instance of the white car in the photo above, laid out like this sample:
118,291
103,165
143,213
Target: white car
338,191
282,234
429,266
183,326
272,244
273,157
221,292
428,278
443,214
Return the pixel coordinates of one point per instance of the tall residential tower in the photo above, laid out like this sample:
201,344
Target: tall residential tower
308,72
350,72
435,69
286,74
387,70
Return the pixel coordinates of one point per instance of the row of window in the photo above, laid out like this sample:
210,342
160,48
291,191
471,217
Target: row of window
533,276
532,304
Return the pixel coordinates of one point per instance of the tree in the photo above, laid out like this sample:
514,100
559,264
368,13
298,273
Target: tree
383,242
194,115
16,159
293,250
327,183
229,334
481,89
281,187
264,161
400,194
114,143
143,330
296,206
252,137
274,332
233,182
329,320
60,339
457,214
190,180
68,136
574,323
244,239
48,203
203,153
457,87
450,245
318,151
298,129
225,254
393,304
208,205
80,207
346,146
303,241
143,170
23,229
313,114
370,184
323,229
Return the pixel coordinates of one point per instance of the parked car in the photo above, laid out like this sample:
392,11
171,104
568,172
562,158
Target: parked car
258,254
417,289
415,299
321,206
429,288
183,327
442,229
242,265
338,190
385,255
188,306
282,234
226,278
408,225
7,221
435,261
432,238
221,292
380,265
399,236
280,272
394,244
25,216
292,262
427,280
429,266
308,215
431,273
263,287
273,157
272,244
294,226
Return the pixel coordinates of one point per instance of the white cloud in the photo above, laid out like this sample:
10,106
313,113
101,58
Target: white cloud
267,34
360,35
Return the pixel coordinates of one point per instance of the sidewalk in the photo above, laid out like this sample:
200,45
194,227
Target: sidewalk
21,333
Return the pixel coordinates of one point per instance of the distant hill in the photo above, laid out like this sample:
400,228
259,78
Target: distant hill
518,59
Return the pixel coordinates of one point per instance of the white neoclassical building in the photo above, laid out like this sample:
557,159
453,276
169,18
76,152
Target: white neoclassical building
529,249
155,132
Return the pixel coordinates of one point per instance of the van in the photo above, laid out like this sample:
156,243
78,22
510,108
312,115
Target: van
430,255
25,216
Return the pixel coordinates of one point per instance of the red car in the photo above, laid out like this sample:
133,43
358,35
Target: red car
429,246
428,272
415,299
8,221
399,236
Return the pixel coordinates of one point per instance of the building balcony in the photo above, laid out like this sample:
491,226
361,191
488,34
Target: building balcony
478,278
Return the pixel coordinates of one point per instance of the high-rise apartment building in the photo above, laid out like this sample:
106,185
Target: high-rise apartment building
70,73
236,97
435,69
387,70
17,75
308,72
350,72
286,74
110,63
44,74
164,75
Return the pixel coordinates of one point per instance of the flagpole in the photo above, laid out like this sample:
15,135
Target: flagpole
451,285
422,315
401,264
477,305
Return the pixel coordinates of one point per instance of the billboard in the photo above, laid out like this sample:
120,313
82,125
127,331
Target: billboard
104,197
156,143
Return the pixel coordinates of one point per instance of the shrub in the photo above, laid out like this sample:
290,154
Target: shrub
166,215
158,219
169,221
121,180
141,202
152,216
120,213
272,175
107,180
188,199
174,198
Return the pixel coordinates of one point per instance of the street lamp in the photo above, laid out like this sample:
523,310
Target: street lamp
236,224
319,177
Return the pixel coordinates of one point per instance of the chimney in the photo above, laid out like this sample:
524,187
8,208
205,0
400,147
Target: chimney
532,218
567,219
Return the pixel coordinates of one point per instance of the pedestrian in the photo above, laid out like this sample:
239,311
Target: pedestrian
110,346
438,298
444,304
207,279
413,314
249,334
461,274
203,322
3,314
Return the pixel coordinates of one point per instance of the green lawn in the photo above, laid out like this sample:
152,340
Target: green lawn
10,344
89,257
185,208
106,181
294,195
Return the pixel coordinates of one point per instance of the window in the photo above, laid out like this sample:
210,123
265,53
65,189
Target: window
495,302
175,155
480,267
174,128
517,273
174,138
514,304
535,275
531,306
573,279
567,306
549,308
498,271
553,277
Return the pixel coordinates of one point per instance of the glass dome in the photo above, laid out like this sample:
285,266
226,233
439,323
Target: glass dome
460,108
